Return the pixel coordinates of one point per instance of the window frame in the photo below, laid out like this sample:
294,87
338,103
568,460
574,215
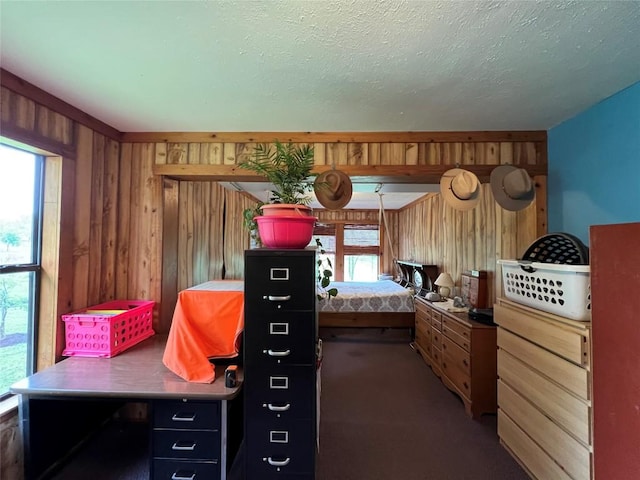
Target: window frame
35,266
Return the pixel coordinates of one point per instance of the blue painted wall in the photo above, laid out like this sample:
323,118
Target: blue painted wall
594,166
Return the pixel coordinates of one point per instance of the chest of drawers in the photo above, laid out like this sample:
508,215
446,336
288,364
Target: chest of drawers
544,391
461,352
281,337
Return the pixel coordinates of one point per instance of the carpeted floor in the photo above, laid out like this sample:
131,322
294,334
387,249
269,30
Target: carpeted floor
386,416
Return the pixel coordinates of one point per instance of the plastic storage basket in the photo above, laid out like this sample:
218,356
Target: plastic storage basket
560,289
108,329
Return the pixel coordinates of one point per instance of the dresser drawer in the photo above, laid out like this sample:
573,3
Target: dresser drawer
570,454
178,414
436,320
192,444
164,469
463,342
540,329
532,457
423,334
554,401
457,356
451,325
436,337
567,374
457,376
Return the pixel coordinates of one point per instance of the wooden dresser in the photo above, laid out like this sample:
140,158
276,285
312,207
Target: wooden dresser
544,391
461,352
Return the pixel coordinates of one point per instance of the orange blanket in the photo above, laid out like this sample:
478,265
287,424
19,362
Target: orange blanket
206,323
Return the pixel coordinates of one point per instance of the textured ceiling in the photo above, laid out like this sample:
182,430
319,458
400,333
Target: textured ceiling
325,66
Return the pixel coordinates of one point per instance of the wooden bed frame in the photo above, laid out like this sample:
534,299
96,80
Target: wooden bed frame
428,274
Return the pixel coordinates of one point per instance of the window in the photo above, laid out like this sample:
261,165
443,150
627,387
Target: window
361,250
21,188
353,249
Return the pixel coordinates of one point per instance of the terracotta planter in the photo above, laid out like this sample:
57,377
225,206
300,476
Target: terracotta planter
292,231
286,209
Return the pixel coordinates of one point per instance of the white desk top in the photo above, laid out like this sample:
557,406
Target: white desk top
137,373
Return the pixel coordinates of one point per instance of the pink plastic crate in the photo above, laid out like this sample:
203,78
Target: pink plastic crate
107,329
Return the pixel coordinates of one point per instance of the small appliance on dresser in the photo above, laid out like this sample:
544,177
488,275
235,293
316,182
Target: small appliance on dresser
280,364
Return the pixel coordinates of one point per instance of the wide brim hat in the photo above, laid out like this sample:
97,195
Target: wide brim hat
512,187
333,189
460,189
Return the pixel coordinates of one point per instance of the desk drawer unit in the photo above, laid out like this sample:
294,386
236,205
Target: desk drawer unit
280,352
187,442
544,391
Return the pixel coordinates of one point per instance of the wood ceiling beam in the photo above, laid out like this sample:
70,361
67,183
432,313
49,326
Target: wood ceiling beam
429,174
335,137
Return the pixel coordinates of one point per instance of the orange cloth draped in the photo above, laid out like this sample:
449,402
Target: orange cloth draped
206,324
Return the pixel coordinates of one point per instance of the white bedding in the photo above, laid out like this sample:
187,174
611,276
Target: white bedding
381,296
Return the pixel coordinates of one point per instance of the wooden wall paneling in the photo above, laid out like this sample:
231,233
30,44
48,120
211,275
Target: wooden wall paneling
11,451
319,154
540,183
357,154
155,204
229,154
5,102
82,214
374,153
48,326
176,153
337,154
95,229
200,232
244,151
109,220
193,153
170,229
123,247
25,113
230,252
184,241
410,153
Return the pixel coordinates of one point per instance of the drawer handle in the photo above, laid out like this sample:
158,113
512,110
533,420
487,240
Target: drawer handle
466,346
465,363
278,408
277,298
277,353
466,385
179,476
183,448
278,463
178,417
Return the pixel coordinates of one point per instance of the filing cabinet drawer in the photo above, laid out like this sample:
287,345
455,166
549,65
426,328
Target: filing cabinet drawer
278,446
279,283
288,390
192,444
286,339
164,469
186,415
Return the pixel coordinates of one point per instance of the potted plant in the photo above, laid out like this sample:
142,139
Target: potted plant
287,220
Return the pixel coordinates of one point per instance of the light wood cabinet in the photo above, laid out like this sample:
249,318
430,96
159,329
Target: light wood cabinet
544,391
461,352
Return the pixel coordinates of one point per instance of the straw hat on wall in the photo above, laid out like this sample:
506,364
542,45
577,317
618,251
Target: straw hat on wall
333,189
512,187
460,189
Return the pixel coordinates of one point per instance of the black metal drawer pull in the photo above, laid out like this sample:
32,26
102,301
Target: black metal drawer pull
277,408
182,417
184,448
181,476
277,298
277,353
278,463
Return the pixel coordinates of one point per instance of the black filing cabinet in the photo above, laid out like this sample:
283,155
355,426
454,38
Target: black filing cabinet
280,364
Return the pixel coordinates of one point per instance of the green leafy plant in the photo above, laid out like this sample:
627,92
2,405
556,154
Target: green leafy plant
325,273
249,222
288,167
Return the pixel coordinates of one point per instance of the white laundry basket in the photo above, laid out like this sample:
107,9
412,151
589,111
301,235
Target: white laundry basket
560,289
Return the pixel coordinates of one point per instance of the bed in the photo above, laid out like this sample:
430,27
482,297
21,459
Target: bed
385,303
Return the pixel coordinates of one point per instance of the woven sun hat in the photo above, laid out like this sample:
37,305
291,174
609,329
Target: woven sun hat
460,189
333,189
512,187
